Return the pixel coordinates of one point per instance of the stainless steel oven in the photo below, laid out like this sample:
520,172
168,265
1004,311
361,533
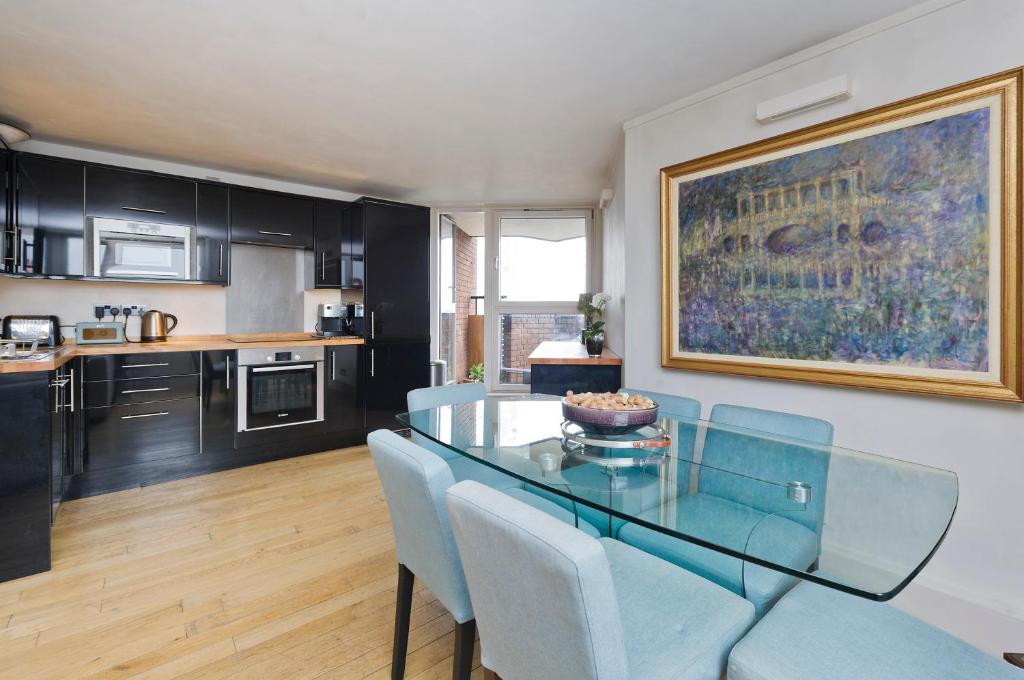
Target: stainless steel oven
280,387
140,250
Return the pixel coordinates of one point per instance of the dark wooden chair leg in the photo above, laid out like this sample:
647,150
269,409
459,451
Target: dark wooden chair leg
462,660
403,612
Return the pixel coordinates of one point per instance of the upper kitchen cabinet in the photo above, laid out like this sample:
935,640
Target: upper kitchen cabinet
396,237
6,200
213,233
271,219
330,240
48,217
139,196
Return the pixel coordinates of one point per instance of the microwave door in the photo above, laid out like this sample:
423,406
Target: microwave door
123,249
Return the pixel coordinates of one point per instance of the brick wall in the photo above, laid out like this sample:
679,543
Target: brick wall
465,287
521,333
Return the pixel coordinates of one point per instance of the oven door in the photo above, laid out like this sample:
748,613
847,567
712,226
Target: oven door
278,395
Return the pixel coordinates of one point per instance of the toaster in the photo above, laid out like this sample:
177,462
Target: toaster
26,328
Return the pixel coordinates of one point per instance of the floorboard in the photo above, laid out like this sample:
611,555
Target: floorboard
279,570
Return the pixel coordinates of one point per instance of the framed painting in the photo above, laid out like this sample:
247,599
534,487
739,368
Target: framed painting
879,250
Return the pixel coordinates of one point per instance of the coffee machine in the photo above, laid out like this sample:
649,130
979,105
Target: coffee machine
332,320
356,320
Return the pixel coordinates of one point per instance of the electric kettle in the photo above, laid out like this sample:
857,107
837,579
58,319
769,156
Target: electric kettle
154,326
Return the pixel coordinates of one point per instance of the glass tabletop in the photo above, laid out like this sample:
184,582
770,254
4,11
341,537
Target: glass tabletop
854,521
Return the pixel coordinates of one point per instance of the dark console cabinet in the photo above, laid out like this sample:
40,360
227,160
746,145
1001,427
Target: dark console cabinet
343,389
220,390
271,219
392,369
213,233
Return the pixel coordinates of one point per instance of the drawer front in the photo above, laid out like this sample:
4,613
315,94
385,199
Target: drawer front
128,195
126,435
140,390
148,365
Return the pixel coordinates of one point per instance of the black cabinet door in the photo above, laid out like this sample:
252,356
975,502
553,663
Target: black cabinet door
126,435
219,394
50,218
392,369
329,234
139,196
397,241
213,233
343,394
267,218
147,365
353,270
25,500
6,219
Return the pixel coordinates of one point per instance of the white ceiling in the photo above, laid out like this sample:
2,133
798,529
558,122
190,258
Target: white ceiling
430,101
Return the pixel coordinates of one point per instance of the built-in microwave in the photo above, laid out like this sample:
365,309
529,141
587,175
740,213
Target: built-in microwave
140,250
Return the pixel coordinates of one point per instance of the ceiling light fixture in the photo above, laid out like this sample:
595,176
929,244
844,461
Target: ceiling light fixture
12,135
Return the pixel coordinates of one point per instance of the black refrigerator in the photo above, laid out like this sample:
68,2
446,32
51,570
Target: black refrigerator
389,252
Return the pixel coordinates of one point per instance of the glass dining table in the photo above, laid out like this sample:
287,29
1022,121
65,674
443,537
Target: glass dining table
731,498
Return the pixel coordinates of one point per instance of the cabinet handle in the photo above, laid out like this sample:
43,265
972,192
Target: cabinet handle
220,260
289,367
72,390
323,267
144,365
227,372
145,415
373,325
151,389
372,362
334,361
145,210
60,382
273,233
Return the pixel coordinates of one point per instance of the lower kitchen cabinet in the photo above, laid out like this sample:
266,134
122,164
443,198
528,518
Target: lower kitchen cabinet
219,391
392,369
343,394
25,477
139,433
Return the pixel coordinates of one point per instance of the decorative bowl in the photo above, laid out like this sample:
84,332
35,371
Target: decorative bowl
609,421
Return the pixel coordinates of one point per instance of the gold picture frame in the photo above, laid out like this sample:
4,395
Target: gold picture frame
729,252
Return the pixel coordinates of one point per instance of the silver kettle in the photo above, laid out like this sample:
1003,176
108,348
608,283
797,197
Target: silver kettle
154,326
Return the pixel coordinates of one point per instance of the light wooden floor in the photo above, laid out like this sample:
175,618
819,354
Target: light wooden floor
281,570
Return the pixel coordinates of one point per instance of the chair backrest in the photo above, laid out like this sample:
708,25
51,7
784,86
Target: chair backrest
542,590
685,436
684,407
414,482
798,452
443,395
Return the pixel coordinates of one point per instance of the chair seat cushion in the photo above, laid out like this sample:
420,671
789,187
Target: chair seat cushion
816,632
556,511
680,626
466,468
736,526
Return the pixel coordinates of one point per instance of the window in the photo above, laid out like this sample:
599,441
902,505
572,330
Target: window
543,258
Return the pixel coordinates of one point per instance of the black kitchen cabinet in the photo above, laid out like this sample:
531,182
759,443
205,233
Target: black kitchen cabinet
219,394
392,369
6,201
213,233
397,280
139,196
271,219
49,216
138,433
330,240
25,498
147,365
343,394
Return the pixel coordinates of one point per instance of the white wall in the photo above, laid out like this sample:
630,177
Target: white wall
613,265
980,567
200,308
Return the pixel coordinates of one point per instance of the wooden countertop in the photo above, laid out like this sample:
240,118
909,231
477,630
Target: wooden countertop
182,343
571,352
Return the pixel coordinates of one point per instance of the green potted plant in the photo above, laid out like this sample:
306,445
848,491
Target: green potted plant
476,373
593,305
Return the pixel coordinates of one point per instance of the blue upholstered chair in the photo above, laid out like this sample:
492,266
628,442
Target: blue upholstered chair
414,482
668,404
462,467
742,511
553,602
816,632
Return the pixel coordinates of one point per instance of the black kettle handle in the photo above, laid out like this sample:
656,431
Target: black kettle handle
174,322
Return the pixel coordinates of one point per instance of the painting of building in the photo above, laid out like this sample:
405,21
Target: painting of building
871,251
